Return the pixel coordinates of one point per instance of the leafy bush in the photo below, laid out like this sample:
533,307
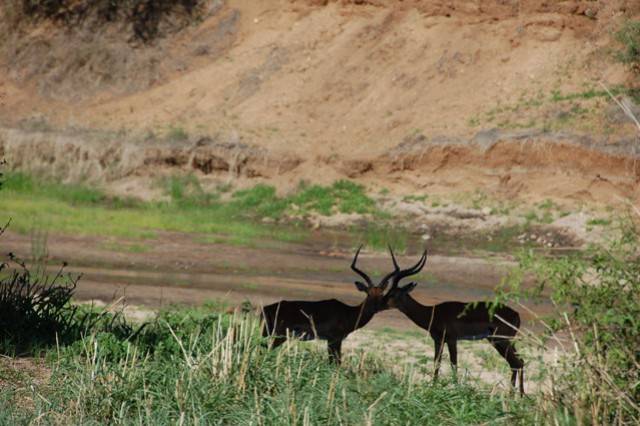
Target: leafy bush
260,201
344,196
186,191
36,310
629,37
597,300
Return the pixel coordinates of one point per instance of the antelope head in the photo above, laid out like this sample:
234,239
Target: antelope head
395,293
375,292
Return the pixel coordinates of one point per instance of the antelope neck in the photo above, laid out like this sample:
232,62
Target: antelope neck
418,313
362,314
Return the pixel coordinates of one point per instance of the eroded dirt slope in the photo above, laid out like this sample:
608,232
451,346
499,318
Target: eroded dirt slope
396,94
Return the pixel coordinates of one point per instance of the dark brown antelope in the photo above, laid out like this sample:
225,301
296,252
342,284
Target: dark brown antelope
449,322
329,320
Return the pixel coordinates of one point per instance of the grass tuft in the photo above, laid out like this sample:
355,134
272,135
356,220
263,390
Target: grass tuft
195,366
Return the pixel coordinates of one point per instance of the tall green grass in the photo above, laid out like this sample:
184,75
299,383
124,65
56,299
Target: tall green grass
215,369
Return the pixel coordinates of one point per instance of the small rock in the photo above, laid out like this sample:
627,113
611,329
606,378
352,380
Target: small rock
486,211
426,237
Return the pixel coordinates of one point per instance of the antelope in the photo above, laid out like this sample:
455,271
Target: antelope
449,322
329,320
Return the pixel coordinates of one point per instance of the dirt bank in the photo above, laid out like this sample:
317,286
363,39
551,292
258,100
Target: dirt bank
525,165
398,95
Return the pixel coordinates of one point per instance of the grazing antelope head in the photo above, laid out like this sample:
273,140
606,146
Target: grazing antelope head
375,292
396,294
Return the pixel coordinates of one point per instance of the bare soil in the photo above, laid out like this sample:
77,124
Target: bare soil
395,95
165,275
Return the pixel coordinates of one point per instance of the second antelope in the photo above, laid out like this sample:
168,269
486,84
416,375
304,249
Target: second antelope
329,320
449,322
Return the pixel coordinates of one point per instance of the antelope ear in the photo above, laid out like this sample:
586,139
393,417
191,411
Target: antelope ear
409,287
361,286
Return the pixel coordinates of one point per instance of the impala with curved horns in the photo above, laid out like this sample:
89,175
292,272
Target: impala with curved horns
329,320
449,322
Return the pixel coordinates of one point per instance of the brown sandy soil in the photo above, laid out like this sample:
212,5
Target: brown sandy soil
413,350
388,93
14,370
234,274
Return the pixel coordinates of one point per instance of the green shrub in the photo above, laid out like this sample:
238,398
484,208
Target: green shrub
185,191
36,311
597,299
260,201
343,196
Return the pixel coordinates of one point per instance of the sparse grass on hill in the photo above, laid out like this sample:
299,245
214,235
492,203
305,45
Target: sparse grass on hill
629,37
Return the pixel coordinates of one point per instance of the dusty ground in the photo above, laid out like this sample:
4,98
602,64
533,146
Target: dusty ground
396,95
261,275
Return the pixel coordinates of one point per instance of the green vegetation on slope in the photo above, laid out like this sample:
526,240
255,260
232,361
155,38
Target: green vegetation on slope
75,209
262,201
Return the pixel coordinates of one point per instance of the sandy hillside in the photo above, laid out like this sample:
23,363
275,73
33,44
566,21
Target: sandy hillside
415,96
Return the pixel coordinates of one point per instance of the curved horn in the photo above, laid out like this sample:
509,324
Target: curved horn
409,271
385,281
358,271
